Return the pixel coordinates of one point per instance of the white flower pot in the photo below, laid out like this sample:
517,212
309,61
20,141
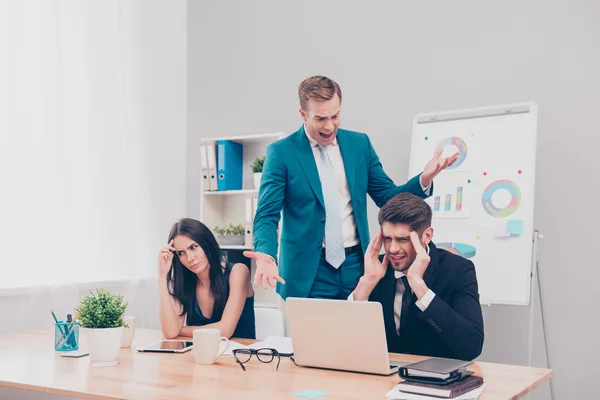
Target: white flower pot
231,240
257,177
104,344
128,333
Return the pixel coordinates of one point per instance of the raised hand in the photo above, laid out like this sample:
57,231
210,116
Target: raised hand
267,272
375,269
165,259
435,166
419,266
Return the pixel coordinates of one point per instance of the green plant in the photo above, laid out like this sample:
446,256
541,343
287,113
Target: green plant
230,229
257,165
101,310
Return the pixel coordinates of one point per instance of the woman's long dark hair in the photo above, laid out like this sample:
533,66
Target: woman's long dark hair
182,282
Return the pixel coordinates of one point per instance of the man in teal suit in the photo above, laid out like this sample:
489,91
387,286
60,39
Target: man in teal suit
321,176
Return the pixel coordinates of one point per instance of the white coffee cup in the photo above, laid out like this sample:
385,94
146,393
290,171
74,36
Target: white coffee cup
207,343
127,336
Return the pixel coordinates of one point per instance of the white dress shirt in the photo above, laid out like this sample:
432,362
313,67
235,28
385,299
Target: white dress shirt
422,304
348,223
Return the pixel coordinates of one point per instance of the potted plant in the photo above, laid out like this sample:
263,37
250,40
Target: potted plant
257,167
101,317
230,235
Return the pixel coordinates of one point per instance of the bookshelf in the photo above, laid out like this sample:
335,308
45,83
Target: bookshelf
218,208
233,192
236,247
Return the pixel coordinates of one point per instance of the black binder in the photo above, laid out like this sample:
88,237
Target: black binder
440,371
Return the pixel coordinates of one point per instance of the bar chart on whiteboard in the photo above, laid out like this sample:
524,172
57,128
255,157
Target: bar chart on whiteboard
453,196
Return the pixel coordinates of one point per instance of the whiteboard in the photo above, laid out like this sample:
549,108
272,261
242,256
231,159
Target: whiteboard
483,204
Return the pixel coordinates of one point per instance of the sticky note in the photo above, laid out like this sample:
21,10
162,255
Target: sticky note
500,230
514,227
105,364
75,354
311,394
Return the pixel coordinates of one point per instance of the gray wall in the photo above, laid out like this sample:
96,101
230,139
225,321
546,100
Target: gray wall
396,59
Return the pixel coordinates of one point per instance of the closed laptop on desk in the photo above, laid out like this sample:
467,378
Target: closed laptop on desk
339,334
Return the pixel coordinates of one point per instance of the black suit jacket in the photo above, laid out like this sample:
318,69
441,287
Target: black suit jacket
452,325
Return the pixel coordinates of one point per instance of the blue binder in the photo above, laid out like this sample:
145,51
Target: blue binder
229,165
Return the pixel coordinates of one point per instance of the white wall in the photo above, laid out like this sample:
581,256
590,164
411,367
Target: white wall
163,82
396,59
164,85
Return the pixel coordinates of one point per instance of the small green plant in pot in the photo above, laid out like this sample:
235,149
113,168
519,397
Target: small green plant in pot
101,317
230,235
257,167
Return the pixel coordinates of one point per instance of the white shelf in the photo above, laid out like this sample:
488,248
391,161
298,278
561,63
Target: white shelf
230,192
263,138
236,247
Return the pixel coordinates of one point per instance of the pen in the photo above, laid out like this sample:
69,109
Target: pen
68,338
56,320
70,329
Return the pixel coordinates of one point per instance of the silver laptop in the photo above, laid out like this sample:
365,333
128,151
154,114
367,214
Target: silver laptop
339,334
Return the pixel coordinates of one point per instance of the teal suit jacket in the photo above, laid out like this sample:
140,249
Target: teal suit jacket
290,180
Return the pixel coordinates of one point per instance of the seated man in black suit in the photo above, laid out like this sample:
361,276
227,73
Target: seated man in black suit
429,296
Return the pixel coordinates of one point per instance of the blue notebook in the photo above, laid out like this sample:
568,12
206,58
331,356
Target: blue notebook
229,165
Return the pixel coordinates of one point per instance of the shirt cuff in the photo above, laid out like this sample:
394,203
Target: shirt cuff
426,300
427,189
351,297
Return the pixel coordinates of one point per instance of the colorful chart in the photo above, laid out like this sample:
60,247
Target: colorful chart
459,193
511,208
460,249
448,201
460,145
436,204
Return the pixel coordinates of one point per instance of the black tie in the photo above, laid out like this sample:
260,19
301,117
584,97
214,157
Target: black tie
407,299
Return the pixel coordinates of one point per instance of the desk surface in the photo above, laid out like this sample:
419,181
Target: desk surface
28,361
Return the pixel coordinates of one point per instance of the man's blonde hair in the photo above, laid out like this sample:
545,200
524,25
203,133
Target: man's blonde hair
318,88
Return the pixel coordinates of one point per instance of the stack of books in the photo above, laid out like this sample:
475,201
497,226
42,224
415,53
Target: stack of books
437,378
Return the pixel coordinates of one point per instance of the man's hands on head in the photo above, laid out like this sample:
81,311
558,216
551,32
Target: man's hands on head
375,269
417,269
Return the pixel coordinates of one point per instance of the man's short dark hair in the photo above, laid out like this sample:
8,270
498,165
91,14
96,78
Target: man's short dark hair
406,208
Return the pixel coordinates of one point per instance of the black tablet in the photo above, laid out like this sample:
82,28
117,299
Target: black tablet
168,346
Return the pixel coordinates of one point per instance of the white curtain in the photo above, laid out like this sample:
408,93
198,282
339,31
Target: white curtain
77,206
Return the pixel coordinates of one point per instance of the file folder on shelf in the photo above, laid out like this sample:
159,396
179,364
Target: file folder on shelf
211,157
248,240
205,177
254,206
229,165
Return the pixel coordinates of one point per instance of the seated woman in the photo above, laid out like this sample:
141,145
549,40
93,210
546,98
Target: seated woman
198,285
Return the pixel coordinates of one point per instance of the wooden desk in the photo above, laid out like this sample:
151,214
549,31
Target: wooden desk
28,361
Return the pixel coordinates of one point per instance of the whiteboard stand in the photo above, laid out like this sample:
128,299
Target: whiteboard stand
535,275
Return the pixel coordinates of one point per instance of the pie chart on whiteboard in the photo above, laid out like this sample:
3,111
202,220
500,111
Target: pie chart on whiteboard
460,249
